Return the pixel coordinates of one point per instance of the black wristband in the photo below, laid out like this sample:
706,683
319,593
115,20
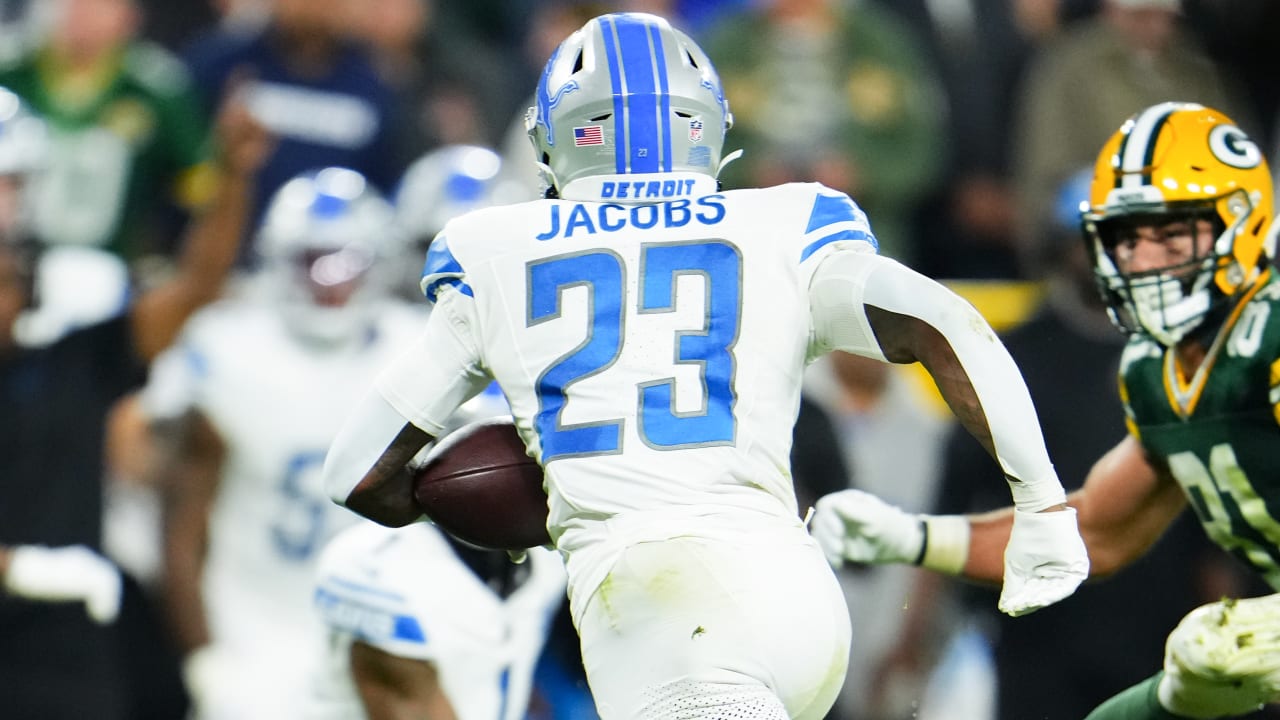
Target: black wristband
924,543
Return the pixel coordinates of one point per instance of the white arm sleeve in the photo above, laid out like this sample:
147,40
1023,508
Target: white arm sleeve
370,428
845,283
439,372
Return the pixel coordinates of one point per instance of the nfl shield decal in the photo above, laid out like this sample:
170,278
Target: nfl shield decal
695,130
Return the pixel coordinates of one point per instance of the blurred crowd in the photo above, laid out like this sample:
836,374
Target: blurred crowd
960,126
953,122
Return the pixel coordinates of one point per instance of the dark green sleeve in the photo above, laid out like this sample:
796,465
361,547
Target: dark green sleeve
1138,702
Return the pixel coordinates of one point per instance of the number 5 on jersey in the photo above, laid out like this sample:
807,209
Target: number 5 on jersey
710,347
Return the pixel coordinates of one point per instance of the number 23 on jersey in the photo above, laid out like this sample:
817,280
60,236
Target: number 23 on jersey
603,273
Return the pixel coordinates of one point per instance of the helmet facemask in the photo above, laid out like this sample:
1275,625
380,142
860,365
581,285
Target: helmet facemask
1167,302
325,296
323,241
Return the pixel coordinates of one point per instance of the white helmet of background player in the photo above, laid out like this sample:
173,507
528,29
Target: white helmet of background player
322,240
23,150
448,182
627,95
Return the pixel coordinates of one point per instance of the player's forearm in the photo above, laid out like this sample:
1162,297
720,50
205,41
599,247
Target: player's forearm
879,308
213,240
385,496
213,243
189,474
365,468
182,582
205,261
185,607
916,319
397,688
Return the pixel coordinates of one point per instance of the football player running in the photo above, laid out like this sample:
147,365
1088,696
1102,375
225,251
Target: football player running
1179,224
421,625
650,331
255,390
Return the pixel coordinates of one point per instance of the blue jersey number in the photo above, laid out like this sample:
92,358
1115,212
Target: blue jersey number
709,347
299,523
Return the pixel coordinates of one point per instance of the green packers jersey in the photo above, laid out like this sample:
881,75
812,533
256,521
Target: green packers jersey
126,135
1218,431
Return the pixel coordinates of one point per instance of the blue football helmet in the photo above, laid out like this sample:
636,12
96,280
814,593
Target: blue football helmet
448,182
322,242
627,95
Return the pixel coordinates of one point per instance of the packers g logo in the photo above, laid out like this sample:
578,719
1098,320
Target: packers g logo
1230,145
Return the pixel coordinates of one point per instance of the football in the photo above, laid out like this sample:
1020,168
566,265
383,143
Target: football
479,485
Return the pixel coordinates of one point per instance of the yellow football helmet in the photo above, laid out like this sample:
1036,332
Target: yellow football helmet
1174,162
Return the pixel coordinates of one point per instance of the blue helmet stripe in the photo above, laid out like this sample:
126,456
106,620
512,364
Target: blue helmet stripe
664,95
640,94
619,102
326,206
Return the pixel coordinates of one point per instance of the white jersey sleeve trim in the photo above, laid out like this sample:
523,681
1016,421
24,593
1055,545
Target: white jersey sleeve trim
836,303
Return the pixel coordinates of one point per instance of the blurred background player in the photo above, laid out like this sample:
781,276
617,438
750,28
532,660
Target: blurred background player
422,625
128,143
440,185
63,574
255,390
873,117
1084,82
664,420
54,402
877,410
310,80
1111,633
1180,230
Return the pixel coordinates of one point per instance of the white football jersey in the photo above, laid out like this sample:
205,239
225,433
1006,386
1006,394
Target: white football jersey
652,353
277,404
405,592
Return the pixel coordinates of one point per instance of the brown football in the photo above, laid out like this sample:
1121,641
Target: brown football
480,485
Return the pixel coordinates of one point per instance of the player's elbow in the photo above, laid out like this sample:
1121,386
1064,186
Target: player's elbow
340,479
383,508
385,500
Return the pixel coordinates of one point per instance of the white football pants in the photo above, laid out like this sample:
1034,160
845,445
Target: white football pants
707,629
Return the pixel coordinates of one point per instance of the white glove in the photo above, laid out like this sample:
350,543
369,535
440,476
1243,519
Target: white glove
858,526
1044,562
73,573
